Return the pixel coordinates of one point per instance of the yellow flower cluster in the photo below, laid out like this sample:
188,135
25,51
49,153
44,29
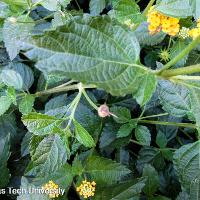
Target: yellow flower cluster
86,189
195,32
157,22
52,188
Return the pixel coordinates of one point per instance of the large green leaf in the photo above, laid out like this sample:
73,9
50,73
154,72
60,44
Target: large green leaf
104,170
128,191
125,10
4,155
174,98
175,8
96,6
186,163
92,50
195,4
49,156
40,124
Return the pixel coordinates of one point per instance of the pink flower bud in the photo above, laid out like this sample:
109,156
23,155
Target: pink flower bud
103,111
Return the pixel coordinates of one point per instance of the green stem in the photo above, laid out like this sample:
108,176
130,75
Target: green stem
181,55
181,71
90,101
136,142
151,116
188,125
61,89
151,2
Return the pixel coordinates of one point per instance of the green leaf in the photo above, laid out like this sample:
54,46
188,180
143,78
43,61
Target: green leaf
161,139
174,98
125,10
16,6
125,130
144,38
14,32
143,135
11,93
105,171
26,104
97,6
77,167
152,182
122,113
114,69
63,177
49,156
195,105
186,163
150,155
17,75
195,4
4,155
5,103
175,8
40,124
128,191
52,5
83,136
146,89
176,49
25,185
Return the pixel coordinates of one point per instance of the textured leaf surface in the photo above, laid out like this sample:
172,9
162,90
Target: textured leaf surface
4,155
83,136
143,135
129,191
92,50
49,155
186,163
40,124
175,8
195,4
195,105
174,98
13,33
104,170
96,6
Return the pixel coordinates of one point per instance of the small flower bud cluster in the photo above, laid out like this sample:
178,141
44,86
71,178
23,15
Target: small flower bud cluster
157,22
51,186
86,189
184,33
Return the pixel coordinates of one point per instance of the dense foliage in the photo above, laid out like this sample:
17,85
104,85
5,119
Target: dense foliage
100,99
